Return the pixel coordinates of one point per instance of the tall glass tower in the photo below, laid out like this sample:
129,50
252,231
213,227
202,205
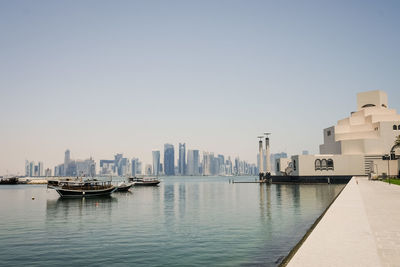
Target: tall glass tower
193,162
169,159
156,162
182,159
67,159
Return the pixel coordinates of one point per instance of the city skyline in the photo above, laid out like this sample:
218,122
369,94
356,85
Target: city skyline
125,166
102,78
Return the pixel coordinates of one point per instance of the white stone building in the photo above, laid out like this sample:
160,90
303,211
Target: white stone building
354,146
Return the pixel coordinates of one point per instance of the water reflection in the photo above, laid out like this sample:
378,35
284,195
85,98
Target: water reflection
185,221
72,207
265,202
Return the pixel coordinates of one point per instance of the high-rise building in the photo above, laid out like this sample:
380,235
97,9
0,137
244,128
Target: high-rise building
47,172
208,163
133,166
67,159
71,169
107,167
229,168
117,164
139,168
136,166
148,169
193,162
236,170
59,170
221,165
125,167
182,159
169,159
32,169
26,168
156,162
40,168
214,165
85,168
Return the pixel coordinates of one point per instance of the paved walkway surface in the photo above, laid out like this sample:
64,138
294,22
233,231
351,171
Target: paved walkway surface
361,228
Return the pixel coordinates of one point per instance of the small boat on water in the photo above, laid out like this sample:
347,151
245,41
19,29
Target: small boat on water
81,188
10,180
124,187
145,181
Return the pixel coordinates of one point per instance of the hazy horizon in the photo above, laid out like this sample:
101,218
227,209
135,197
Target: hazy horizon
102,77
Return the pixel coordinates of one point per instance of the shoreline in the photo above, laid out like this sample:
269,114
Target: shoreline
360,228
294,250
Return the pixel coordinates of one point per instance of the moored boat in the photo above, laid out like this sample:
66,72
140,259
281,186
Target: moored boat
145,181
11,180
81,188
124,187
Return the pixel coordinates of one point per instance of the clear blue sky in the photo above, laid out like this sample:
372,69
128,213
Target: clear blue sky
100,77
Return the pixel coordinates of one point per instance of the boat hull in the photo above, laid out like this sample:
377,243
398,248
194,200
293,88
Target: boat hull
9,181
84,193
150,183
124,188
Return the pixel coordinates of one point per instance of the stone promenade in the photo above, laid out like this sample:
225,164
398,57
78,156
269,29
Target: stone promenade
361,228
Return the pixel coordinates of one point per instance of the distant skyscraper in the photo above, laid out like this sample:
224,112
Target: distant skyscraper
86,167
305,152
148,169
36,171
26,168
133,166
208,163
59,170
138,167
118,164
193,162
40,168
32,169
67,159
156,162
107,167
182,159
169,159
125,168
47,172
229,168
221,165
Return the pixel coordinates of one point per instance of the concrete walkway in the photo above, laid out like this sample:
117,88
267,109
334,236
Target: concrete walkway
361,228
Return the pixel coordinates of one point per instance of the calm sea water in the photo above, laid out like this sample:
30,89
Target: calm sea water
185,221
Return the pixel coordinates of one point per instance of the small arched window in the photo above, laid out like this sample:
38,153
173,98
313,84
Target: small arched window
329,164
398,127
394,127
323,164
317,164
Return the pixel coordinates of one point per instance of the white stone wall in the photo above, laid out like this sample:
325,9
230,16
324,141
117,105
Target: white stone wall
281,164
342,165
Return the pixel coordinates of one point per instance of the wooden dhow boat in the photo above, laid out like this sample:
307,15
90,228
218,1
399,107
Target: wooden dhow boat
145,181
81,188
10,180
124,187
